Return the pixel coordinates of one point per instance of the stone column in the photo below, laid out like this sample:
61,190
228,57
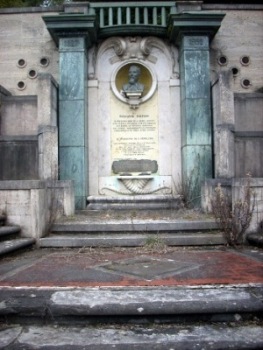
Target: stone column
74,34
72,115
192,32
224,126
47,127
196,121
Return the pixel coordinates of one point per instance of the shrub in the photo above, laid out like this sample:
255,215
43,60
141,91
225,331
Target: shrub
189,189
234,218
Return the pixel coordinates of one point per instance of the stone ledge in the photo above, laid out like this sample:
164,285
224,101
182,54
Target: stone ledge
18,10
128,240
21,99
22,184
18,138
134,225
15,244
145,337
133,202
131,300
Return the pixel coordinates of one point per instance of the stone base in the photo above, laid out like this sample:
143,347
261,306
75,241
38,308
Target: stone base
134,202
35,204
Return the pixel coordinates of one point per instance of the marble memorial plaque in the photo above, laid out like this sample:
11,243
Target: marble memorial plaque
134,132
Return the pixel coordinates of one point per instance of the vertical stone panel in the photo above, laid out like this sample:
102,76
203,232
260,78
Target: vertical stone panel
196,108
72,116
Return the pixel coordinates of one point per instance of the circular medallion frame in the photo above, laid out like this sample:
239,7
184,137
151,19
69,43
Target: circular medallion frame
120,77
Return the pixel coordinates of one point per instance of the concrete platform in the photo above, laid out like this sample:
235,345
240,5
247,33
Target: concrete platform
153,297
152,265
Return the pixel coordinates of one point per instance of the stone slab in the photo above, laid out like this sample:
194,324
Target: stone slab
13,245
8,230
128,240
134,225
164,301
22,184
128,202
134,337
134,165
130,301
118,267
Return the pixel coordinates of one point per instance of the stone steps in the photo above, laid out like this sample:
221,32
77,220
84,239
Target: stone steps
14,245
136,318
157,318
130,240
130,337
131,229
10,241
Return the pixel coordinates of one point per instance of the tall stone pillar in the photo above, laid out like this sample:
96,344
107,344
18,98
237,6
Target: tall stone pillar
195,109
192,33
72,115
73,34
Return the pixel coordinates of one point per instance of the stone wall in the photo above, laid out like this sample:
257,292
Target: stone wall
29,69
18,138
34,205
27,47
18,158
26,50
240,36
248,134
29,133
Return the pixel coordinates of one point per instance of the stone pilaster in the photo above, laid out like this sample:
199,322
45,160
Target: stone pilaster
72,115
224,126
195,109
74,34
192,33
47,91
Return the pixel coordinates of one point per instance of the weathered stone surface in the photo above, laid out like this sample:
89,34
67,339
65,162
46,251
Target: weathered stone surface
72,117
134,337
19,115
129,240
196,110
135,165
28,203
16,244
8,336
130,301
19,160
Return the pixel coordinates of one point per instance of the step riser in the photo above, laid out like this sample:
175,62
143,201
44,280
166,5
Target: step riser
132,240
189,303
75,320
136,227
2,220
4,237
10,240
15,244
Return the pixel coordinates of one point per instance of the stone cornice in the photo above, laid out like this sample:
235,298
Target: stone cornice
193,23
72,25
